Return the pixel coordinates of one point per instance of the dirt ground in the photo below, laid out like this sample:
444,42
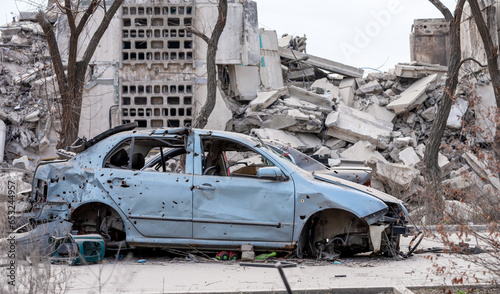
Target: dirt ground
158,271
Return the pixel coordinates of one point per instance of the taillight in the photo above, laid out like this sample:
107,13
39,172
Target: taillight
368,183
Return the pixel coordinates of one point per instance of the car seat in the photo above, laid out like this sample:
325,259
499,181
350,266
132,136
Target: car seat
119,159
138,161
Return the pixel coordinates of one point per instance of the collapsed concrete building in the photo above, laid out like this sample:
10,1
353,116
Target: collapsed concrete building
151,70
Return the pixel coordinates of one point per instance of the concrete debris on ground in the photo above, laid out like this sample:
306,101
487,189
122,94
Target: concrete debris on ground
336,111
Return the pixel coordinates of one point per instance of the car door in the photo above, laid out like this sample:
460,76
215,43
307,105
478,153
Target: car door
230,203
157,203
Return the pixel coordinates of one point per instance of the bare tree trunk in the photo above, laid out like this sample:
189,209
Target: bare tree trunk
72,80
433,198
212,44
492,56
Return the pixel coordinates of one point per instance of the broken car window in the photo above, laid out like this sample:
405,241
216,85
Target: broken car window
149,154
174,160
119,158
227,158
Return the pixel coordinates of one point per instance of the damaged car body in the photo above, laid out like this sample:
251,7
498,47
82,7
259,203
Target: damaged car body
211,190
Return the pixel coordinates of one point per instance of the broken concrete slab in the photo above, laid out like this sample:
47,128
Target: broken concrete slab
298,115
322,63
266,99
22,163
300,74
271,76
297,141
396,175
294,102
330,91
347,89
18,40
309,141
418,71
482,169
284,41
352,125
244,81
463,170
485,110
413,96
409,156
247,255
457,111
464,182
27,16
371,87
429,114
460,211
321,101
33,117
312,126
8,32
322,151
444,164
420,149
410,119
380,112
222,120
279,121
402,142
363,150
335,144
389,93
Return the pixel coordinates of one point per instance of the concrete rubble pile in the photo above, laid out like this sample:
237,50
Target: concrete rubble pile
329,109
27,87
27,90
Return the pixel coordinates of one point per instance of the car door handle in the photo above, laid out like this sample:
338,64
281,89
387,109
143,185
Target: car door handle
116,181
206,187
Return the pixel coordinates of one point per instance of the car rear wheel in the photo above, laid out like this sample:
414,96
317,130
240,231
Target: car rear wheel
98,218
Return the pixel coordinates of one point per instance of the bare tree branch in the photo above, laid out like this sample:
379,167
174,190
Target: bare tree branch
69,13
92,45
212,44
464,61
198,33
55,55
88,13
443,9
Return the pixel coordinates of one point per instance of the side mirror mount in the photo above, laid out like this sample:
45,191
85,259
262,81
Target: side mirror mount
271,173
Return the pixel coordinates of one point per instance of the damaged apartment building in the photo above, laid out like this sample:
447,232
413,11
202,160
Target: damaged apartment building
151,69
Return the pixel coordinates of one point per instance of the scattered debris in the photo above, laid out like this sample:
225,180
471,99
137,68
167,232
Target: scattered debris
247,253
77,249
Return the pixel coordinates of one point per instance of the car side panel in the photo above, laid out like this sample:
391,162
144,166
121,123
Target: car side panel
246,209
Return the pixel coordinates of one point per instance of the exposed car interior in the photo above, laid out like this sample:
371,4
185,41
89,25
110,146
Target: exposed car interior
227,158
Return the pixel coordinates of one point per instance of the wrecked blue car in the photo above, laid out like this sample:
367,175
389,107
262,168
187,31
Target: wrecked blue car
211,190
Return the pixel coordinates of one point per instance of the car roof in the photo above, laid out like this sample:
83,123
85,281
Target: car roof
161,132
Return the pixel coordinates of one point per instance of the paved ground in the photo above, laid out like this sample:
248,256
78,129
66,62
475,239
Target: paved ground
181,275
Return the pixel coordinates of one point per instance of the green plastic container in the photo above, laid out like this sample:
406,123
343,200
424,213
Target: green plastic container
78,249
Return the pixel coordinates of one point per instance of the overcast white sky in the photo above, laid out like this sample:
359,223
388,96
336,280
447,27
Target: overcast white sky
361,33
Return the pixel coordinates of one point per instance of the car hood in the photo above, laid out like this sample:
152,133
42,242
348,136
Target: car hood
373,192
